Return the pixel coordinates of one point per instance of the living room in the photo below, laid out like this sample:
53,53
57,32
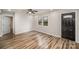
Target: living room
35,22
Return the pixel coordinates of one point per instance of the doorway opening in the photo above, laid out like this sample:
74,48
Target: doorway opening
7,27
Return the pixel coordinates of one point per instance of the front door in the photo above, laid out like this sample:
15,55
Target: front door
68,26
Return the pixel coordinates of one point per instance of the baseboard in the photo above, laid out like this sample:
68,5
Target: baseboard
0,35
49,34
57,36
77,41
21,33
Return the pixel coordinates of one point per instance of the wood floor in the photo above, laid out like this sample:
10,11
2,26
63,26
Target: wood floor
7,36
37,40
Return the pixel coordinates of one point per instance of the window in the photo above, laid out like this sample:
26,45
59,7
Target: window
40,20
45,21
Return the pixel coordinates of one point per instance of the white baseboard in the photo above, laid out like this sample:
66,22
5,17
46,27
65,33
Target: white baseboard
57,36
50,34
77,41
21,32
0,35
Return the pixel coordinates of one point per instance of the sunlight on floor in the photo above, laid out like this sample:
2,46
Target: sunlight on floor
43,43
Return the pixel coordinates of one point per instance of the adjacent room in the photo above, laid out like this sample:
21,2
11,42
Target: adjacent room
39,28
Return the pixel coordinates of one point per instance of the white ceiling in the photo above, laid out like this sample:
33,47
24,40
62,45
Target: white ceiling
19,10
25,10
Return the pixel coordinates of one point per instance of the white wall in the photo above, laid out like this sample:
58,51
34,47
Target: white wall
53,27
23,22
0,26
77,27
54,23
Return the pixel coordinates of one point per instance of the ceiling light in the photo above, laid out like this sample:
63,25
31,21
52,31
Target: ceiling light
30,12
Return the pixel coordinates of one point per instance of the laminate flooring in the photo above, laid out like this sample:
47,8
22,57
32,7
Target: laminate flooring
37,40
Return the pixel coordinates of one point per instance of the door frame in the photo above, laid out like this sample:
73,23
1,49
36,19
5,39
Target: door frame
13,24
74,16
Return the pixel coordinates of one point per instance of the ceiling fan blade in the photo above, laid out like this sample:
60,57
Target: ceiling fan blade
30,10
35,11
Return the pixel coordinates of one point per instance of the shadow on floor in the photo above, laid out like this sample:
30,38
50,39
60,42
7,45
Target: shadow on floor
7,36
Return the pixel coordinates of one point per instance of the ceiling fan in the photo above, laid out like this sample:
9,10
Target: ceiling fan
31,11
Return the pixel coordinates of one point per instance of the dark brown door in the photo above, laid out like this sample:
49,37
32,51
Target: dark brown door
68,26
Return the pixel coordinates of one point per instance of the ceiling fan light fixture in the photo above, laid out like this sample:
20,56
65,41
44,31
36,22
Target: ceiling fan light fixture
30,12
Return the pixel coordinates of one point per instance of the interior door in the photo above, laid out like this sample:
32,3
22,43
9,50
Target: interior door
68,26
6,25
